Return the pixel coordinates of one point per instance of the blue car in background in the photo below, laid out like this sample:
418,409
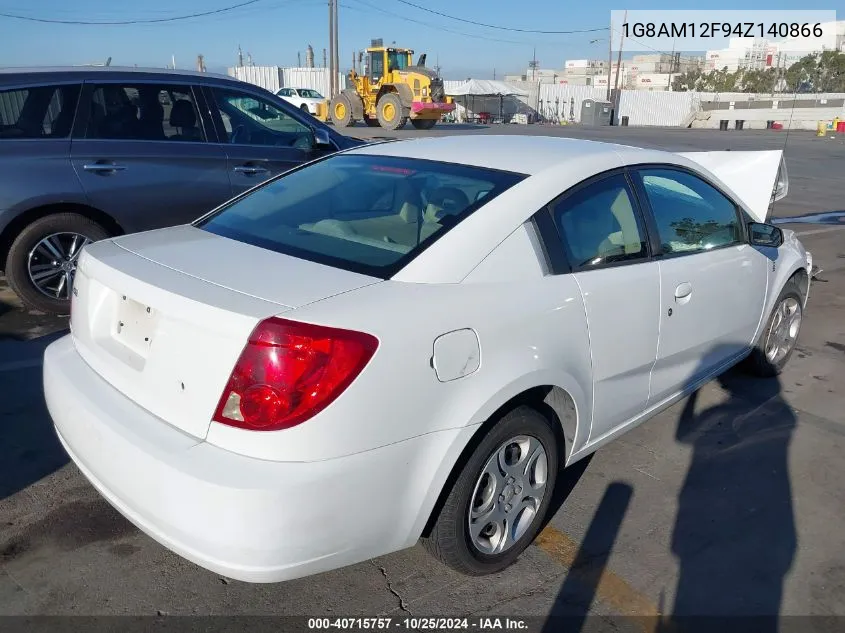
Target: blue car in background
92,152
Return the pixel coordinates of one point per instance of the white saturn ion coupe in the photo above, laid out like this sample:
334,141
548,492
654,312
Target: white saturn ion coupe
409,340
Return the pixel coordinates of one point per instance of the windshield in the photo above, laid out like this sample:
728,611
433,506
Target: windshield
307,93
368,214
397,61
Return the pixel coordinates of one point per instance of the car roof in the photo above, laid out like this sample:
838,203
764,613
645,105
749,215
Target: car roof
515,153
53,73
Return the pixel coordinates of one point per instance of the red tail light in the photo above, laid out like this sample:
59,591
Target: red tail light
288,372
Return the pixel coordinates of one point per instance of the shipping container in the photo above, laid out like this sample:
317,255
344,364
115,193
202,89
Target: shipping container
653,80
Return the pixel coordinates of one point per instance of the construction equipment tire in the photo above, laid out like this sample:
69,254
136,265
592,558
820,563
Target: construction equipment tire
423,124
391,113
341,111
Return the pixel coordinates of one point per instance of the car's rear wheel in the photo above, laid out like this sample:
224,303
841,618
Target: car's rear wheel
42,260
780,336
497,503
304,108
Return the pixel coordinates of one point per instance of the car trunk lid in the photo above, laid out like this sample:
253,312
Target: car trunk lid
162,318
758,178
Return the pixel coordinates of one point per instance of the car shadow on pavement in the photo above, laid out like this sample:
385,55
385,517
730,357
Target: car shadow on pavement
734,535
29,449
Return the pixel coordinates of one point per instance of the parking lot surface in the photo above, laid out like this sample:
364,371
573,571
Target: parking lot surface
728,503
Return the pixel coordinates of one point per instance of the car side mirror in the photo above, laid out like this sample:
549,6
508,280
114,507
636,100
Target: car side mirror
765,234
322,138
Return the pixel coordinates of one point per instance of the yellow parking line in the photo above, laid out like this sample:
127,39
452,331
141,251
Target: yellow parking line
610,588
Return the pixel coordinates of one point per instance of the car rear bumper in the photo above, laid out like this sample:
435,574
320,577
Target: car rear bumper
249,519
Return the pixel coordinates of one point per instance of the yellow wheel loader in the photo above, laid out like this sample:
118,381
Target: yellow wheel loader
392,91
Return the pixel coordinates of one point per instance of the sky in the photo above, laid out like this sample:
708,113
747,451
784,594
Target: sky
274,31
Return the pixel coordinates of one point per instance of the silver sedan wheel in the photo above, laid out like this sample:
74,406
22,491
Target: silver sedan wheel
52,263
784,330
507,496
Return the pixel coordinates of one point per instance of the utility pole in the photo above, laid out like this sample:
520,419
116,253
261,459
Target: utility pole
671,65
331,49
609,56
618,68
336,51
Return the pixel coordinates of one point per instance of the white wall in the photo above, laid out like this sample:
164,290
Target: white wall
274,77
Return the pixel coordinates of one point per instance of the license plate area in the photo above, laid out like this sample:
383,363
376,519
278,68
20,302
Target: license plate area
134,325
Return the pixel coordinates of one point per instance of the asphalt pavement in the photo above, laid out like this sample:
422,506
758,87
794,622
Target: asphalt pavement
729,503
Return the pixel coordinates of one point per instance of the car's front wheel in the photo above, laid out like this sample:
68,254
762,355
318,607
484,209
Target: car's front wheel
497,503
42,260
775,347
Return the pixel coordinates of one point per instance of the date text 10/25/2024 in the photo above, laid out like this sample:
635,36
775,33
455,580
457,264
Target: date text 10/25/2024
481,624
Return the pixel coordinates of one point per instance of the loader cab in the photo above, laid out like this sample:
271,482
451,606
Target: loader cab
386,60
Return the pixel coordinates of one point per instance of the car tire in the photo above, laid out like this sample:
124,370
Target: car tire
423,124
371,122
18,259
390,111
451,539
780,334
304,108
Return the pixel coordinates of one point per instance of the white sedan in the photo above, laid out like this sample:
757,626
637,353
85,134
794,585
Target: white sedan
409,340
303,98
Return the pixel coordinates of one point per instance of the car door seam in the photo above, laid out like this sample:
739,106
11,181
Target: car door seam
659,327
592,363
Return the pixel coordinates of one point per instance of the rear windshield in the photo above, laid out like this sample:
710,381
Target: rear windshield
368,214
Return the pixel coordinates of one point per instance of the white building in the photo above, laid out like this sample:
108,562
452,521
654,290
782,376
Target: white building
761,53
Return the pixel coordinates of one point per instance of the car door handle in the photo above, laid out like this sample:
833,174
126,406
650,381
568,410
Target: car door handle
103,167
683,291
249,170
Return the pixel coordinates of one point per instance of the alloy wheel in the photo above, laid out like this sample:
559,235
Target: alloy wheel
52,263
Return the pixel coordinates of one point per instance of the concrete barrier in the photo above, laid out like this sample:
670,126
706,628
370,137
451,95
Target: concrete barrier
801,118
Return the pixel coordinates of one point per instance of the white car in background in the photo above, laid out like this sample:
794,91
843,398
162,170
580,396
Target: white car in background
410,339
303,98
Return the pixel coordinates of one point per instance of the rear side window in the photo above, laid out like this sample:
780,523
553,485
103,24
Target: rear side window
44,112
144,112
599,224
368,214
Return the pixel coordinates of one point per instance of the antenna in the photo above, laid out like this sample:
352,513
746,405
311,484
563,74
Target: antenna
785,141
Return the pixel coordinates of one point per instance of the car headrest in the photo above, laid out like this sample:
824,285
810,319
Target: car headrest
182,114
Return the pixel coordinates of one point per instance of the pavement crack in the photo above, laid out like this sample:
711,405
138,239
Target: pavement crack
403,605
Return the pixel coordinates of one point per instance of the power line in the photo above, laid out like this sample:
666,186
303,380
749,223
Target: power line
428,24
501,28
136,21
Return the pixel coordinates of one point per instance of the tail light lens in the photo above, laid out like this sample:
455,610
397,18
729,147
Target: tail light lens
289,371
